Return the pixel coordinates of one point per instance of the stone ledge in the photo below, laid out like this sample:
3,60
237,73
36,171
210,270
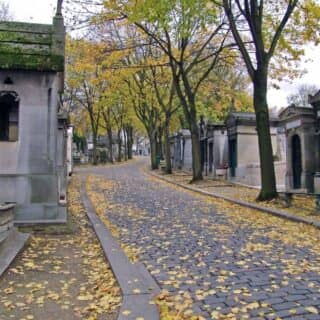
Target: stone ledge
6,206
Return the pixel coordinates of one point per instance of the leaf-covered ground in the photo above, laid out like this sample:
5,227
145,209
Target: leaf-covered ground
61,276
212,259
302,205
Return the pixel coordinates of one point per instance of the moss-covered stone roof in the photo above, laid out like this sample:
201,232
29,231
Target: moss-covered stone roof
31,46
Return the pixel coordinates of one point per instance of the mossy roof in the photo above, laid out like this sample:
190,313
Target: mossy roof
30,46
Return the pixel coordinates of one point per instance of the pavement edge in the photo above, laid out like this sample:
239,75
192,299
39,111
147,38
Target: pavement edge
281,214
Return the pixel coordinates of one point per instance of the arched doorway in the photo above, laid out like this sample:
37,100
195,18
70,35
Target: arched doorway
9,116
296,161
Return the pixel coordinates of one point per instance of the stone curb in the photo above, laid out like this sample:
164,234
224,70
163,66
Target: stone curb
137,285
281,214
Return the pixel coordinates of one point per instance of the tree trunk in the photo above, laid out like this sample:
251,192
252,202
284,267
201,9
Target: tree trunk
110,138
159,143
130,141
119,146
167,148
94,150
190,114
196,155
153,149
268,180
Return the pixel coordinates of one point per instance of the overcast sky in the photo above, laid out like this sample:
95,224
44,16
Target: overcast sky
42,11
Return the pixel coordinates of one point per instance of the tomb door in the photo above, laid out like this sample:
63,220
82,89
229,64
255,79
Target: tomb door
4,122
233,156
9,116
296,161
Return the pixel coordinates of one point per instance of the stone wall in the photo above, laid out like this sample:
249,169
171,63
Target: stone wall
248,147
249,174
187,161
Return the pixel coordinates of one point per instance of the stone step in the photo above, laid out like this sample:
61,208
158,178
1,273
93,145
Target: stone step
10,247
4,235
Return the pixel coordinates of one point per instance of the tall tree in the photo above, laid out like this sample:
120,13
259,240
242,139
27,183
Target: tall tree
258,28
191,38
119,110
165,92
146,107
86,82
108,126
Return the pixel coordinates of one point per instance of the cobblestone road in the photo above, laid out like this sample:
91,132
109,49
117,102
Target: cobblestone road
233,261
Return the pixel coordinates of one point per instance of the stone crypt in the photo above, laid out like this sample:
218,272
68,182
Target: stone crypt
33,129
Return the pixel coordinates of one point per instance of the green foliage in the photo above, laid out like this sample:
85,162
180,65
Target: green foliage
80,141
103,156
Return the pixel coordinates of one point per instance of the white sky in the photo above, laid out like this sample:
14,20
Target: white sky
39,11
42,11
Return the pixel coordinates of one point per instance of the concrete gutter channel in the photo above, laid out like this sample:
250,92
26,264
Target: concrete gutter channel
274,212
137,285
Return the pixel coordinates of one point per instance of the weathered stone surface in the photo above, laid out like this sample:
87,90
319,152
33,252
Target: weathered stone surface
31,46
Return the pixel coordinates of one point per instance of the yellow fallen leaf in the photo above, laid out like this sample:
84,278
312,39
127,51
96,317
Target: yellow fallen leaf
312,309
8,290
126,312
85,297
136,291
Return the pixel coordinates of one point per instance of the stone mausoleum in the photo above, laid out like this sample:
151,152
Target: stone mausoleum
33,129
299,127
302,127
243,151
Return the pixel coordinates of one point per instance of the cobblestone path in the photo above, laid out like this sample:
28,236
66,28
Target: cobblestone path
236,263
